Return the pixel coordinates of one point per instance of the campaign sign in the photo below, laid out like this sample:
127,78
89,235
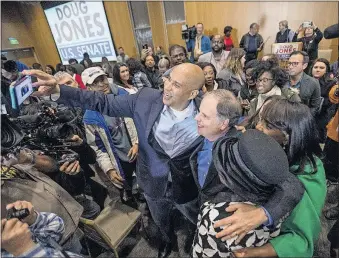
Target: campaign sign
284,50
80,27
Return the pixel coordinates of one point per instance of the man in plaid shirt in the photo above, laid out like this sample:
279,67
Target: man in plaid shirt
34,235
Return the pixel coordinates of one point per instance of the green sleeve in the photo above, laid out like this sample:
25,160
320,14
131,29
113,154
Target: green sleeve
298,232
301,229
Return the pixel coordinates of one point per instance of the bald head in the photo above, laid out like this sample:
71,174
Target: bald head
193,76
217,37
64,78
217,43
182,85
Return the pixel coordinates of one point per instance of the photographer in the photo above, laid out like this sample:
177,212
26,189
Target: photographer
22,181
310,35
31,235
199,45
57,159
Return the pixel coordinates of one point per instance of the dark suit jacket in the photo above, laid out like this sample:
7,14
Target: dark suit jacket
153,164
286,196
212,185
310,93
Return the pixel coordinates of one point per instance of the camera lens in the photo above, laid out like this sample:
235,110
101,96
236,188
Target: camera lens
62,131
7,137
10,134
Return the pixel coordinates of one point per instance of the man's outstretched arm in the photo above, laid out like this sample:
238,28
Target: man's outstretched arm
119,106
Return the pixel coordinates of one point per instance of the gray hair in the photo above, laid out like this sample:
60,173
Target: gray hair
163,62
59,75
228,106
284,23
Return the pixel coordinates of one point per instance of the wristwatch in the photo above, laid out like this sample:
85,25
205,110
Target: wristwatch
32,156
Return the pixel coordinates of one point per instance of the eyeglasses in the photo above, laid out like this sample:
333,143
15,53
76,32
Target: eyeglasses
248,75
294,64
172,82
264,80
182,55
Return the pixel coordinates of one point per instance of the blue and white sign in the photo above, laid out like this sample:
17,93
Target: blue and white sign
80,27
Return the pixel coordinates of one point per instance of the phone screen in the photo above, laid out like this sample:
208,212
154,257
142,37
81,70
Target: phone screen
23,89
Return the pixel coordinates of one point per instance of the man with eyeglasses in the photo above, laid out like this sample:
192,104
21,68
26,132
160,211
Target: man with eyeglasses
167,135
178,55
218,56
114,140
307,87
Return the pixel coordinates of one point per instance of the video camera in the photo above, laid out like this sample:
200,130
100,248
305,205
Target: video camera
47,131
188,33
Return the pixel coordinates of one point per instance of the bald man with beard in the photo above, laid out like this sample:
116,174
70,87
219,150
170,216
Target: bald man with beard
167,135
218,56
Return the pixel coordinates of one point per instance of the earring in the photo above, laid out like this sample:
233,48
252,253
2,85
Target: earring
284,145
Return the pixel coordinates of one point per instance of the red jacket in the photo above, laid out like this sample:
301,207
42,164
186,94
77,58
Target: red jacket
228,43
77,78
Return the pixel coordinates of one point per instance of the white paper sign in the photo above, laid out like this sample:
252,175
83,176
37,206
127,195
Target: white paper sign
80,27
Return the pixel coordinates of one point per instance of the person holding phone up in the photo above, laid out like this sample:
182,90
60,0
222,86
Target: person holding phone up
310,35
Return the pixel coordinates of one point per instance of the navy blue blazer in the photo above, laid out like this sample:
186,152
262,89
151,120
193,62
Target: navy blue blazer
153,164
286,196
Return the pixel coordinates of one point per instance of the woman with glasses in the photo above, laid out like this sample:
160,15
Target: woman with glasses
233,72
292,125
270,80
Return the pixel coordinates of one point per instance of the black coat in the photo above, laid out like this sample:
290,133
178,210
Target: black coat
155,78
144,107
212,186
286,196
310,46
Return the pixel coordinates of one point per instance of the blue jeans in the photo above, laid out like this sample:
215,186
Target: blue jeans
161,208
91,208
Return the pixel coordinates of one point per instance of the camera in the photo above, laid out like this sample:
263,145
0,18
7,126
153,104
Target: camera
188,33
45,131
11,135
18,214
307,24
59,131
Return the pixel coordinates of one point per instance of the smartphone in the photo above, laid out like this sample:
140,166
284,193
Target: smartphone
145,46
307,24
20,91
68,158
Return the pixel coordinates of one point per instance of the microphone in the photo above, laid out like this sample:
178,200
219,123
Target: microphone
332,31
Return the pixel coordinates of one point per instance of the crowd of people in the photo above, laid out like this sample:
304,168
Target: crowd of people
242,149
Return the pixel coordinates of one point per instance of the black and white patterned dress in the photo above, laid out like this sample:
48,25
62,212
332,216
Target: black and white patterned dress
207,245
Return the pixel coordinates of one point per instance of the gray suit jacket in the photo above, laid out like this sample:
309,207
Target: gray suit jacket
45,194
310,93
